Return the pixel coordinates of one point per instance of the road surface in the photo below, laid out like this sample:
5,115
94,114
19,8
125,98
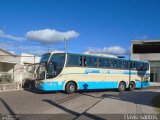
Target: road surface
89,105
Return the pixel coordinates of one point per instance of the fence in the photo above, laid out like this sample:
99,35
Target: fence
6,77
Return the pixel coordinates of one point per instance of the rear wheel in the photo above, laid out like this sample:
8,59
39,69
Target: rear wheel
131,86
121,87
70,88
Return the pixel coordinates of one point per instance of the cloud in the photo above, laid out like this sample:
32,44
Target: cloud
116,50
18,48
8,36
50,35
16,45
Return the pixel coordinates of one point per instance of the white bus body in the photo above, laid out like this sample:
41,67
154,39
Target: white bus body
71,72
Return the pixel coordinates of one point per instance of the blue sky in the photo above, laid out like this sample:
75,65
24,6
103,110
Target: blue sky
106,26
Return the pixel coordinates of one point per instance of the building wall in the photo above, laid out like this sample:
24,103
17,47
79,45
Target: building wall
16,65
153,58
6,67
146,56
6,57
1,67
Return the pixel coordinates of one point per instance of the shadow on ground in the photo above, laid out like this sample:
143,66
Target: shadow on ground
136,97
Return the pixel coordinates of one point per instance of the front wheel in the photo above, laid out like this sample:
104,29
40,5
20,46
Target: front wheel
70,88
121,87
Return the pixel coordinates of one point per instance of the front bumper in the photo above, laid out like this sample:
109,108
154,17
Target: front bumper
50,86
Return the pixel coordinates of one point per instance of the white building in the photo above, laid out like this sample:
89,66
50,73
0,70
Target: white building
28,63
15,69
148,50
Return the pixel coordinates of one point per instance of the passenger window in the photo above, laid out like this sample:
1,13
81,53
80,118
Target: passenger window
119,63
94,62
114,63
132,65
84,61
75,60
142,66
146,66
101,62
91,62
125,64
104,62
139,66
80,61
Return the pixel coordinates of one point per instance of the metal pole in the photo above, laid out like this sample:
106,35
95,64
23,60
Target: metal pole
48,48
65,44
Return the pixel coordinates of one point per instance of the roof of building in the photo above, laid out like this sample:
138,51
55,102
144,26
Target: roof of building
7,52
146,41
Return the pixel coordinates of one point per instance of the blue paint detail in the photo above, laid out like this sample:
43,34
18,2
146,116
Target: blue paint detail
55,86
97,85
50,86
141,73
91,71
142,84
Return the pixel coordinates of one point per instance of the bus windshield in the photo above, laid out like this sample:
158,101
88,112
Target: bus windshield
55,65
50,68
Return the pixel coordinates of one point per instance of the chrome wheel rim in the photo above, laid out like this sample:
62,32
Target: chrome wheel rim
72,88
122,87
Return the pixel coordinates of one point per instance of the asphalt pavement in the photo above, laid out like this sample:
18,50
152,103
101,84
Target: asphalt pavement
81,105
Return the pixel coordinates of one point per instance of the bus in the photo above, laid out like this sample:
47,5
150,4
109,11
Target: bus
71,72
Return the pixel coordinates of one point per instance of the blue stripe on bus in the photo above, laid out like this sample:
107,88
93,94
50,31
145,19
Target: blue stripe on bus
142,84
51,86
55,86
97,85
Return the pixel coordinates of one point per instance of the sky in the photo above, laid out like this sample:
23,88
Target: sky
100,26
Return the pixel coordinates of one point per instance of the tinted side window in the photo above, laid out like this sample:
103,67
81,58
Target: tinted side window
132,65
114,63
101,62
119,63
138,65
74,60
146,66
94,60
58,59
91,62
104,62
125,64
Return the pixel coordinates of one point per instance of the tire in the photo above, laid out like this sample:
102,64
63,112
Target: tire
131,86
70,88
121,87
